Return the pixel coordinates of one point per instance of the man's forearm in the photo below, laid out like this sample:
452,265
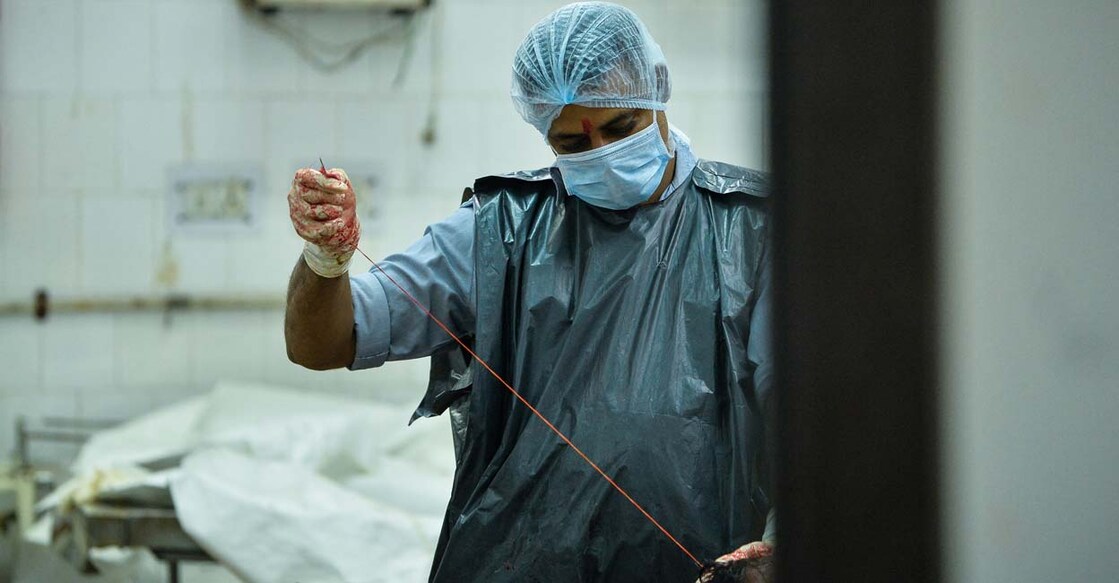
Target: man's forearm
319,322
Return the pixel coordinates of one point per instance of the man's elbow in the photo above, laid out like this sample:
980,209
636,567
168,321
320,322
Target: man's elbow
313,361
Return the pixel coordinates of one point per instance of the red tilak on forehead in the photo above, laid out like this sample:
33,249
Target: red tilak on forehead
587,127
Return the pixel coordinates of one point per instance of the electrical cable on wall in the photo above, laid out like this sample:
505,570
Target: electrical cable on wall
309,48
329,56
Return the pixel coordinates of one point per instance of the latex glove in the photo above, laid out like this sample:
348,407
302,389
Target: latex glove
323,209
748,564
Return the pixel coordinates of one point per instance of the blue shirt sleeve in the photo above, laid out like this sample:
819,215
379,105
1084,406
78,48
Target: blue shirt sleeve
438,270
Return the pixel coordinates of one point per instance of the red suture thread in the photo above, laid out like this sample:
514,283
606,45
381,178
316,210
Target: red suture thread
535,412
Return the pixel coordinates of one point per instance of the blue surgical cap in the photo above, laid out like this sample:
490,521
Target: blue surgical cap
594,54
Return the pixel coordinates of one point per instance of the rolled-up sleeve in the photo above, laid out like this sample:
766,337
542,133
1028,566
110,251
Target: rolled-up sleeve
438,270
371,314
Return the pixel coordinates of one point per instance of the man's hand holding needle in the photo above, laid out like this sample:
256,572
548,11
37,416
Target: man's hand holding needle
323,209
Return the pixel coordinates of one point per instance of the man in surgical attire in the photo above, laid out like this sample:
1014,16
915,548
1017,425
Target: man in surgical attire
623,291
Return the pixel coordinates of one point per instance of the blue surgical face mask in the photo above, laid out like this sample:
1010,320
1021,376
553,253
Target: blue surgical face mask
619,175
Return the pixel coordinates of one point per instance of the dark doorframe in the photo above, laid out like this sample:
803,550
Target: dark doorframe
853,134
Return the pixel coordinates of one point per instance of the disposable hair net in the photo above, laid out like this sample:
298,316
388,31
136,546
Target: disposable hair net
594,54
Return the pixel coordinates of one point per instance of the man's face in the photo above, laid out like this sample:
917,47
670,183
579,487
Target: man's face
578,128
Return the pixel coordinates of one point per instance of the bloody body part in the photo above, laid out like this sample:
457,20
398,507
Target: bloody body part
587,127
757,570
752,563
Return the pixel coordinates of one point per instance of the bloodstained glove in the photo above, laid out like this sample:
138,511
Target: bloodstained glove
323,210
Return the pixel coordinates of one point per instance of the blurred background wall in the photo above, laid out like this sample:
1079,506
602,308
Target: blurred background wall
98,98
1031,268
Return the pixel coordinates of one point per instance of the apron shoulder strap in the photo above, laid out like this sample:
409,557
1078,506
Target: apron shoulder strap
723,178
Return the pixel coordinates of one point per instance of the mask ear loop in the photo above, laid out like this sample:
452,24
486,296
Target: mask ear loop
669,145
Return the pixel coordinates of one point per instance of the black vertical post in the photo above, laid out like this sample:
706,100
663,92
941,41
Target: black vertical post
853,154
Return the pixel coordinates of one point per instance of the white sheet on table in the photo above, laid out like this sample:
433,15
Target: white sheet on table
283,485
289,486
273,521
161,434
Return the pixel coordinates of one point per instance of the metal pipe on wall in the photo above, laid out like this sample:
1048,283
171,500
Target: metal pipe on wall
43,305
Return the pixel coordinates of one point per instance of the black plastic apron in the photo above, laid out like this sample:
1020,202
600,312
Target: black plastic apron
628,330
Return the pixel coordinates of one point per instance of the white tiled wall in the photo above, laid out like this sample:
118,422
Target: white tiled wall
99,97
